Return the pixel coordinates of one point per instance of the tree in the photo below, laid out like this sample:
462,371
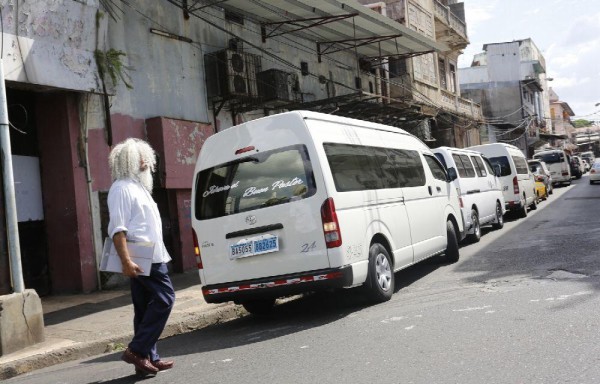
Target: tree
580,123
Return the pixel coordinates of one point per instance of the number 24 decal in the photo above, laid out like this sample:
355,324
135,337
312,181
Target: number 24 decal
309,247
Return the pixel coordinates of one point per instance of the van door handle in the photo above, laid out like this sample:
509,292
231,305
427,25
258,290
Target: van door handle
439,189
430,190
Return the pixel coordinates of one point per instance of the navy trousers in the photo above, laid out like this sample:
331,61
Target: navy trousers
153,298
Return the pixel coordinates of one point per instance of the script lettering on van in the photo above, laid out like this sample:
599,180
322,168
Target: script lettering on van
279,184
214,189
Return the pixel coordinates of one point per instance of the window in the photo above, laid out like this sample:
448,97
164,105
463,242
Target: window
502,162
521,165
257,181
359,168
440,157
436,168
551,157
465,168
479,167
452,84
442,71
397,67
488,166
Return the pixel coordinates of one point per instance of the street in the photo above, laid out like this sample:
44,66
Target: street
521,306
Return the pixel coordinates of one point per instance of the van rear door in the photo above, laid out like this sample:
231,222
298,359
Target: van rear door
259,216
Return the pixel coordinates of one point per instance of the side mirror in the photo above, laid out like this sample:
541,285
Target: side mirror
452,175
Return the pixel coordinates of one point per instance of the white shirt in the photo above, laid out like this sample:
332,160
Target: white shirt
133,211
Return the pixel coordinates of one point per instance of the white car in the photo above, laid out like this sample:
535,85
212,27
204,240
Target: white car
595,172
480,190
303,201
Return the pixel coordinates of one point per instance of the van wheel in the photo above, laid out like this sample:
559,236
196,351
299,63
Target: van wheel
259,307
380,279
499,217
452,253
476,235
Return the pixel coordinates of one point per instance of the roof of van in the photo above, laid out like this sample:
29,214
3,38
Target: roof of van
347,120
453,149
494,145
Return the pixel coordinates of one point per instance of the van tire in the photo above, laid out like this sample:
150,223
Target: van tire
259,307
379,285
499,217
476,235
451,254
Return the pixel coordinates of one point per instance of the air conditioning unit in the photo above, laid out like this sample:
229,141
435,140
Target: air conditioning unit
277,87
230,73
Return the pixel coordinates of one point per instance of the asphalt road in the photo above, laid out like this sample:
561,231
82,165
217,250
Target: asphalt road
521,306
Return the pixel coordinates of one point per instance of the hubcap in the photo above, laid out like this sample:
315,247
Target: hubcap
499,217
384,272
476,227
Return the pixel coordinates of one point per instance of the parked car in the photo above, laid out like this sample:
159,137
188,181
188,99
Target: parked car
540,189
576,167
304,201
517,182
479,189
595,172
539,168
558,163
587,163
589,155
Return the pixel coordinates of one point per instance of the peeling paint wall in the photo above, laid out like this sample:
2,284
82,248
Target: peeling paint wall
51,43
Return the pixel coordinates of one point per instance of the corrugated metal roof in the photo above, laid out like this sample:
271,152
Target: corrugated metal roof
356,30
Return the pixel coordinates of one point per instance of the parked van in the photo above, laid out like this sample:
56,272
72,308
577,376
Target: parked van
589,155
302,201
517,181
479,189
558,162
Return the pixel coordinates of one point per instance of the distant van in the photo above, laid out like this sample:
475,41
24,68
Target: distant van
480,191
303,201
557,161
518,184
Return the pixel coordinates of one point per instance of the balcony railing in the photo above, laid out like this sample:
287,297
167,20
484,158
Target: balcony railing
461,105
443,13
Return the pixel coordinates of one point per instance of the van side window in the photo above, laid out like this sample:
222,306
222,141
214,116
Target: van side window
359,168
436,168
488,166
521,165
479,166
465,168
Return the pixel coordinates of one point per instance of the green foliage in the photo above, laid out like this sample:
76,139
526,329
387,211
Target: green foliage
110,62
580,123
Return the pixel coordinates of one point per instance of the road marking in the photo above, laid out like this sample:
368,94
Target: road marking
472,309
409,328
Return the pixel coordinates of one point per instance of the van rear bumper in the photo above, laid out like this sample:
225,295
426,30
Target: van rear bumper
278,286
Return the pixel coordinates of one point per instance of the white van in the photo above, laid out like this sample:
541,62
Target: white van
302,201
480,191
518,184
558,164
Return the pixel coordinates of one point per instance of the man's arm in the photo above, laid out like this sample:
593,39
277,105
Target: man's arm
130,269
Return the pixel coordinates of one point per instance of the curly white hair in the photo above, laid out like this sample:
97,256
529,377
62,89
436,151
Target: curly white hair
128,158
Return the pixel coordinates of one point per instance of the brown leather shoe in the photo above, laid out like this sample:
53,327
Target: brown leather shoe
141,363
163,365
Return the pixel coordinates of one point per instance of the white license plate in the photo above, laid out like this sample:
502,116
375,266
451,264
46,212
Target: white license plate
254,246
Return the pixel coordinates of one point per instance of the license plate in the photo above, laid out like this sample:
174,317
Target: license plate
254,246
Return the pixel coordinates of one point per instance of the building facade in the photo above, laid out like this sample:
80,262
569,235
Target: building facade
509,81
84,75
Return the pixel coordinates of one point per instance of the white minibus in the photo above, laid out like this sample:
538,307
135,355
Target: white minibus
558,164
304,201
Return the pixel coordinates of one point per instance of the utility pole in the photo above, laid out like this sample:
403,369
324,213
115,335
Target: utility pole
12,224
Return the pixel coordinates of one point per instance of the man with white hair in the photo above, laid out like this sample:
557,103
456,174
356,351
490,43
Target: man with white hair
134,217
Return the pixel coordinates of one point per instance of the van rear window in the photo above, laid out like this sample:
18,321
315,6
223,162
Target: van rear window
503,163
261,180
550,158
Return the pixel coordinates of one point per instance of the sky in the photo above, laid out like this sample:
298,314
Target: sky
567,32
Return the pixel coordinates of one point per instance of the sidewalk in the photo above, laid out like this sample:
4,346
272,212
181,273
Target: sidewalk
83,325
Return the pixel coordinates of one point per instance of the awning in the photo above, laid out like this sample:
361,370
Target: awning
332,24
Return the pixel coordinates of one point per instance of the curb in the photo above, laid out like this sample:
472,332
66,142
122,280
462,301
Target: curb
184,323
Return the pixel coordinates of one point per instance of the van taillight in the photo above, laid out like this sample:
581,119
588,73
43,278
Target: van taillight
197,250
331,226
516,185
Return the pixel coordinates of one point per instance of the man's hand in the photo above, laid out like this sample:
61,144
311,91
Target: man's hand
131,269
